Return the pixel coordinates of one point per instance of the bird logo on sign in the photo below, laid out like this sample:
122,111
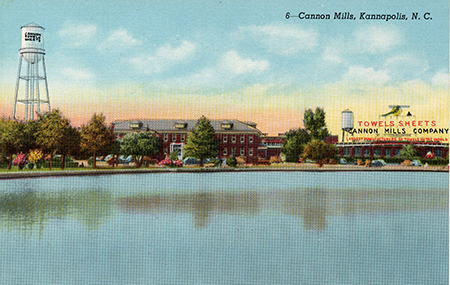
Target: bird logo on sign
396,110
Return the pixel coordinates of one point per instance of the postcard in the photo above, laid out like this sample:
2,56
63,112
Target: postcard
224,142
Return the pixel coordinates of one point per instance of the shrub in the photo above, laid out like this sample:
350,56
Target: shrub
20,160
275,159
170,163
231,161
240,161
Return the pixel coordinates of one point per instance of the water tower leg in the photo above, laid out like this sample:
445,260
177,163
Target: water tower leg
38,96
46,84
17,88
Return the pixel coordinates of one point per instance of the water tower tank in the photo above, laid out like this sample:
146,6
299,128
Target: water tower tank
32,49
347,120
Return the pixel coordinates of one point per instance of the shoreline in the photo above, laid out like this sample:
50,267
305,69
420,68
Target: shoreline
307,168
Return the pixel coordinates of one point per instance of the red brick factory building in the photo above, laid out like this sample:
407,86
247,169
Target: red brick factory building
234,136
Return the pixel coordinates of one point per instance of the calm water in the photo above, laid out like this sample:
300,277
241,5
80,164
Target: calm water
226,228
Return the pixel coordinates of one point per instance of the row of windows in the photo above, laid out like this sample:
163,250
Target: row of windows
233,139
174,137
224,139
241,152
377,152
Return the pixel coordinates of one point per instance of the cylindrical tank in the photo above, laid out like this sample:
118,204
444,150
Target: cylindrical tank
347,120
32,48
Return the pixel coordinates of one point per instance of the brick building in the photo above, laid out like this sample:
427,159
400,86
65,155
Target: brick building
241,138
390,149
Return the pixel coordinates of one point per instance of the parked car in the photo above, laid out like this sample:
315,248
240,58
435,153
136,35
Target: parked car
416,163
378,163
125,159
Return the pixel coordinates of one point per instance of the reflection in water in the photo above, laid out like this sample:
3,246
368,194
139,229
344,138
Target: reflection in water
27,211
312,205
201,205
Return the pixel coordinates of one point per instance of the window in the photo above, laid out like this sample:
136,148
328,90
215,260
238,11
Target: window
233,151
183,137
357,151
250,139
367,152
166,138
174,137
250,152
438,153
180,125
226,125
165,152
242,151
233,139
387,152
224,152
225,138
135,125
346,151
397,152
377,152
242,139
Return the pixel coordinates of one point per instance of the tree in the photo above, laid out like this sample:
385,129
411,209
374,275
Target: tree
319,151
408,152
294,143
96,137
54,131
314,123
12,138
71,145
139,145
201,142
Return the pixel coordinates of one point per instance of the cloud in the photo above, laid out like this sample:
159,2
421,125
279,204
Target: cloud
406,66
282,39
164,57
118,40
377,39
234,63
229,66
440,79
76,35
332,54
361,75
78,74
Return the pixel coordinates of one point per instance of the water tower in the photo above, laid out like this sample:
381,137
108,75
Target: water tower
29,78
346,122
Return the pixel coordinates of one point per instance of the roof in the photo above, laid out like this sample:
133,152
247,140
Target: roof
169,125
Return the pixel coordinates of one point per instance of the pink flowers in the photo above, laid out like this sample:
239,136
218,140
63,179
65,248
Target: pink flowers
20,160
170,163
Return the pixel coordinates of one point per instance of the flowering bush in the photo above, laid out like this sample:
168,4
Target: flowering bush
170,163
20,160
35,156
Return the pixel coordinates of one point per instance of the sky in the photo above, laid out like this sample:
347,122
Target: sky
233,59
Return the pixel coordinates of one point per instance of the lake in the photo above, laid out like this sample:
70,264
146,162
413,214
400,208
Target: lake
226,228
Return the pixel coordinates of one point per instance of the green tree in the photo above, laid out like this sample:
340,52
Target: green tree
293,145
71,144
314,123
139,145
201,142
12,138
231,161
408,152
319,151
96,138
54,131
